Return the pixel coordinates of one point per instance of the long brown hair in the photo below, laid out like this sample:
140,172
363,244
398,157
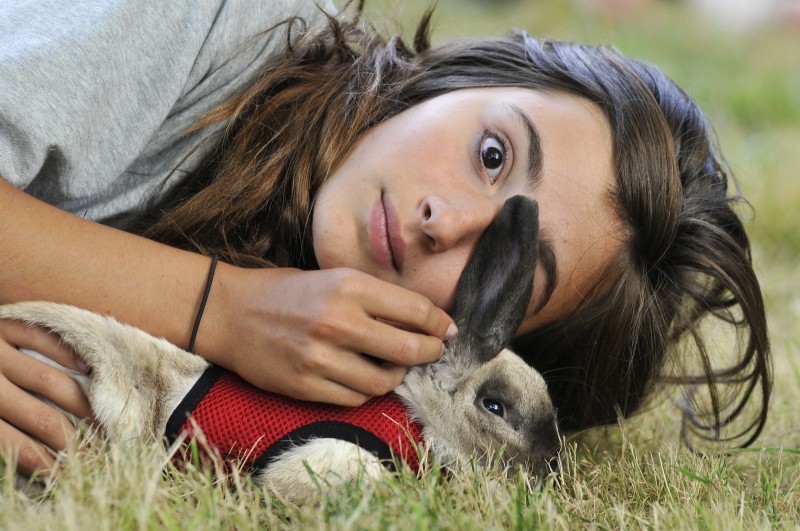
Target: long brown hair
687,259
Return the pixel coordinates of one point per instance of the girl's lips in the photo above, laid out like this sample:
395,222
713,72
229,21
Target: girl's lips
393,226
384,235
379,236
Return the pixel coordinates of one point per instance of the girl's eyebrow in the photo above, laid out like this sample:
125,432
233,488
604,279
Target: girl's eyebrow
534,146
546,255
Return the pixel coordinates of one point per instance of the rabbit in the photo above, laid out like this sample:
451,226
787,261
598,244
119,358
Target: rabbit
477,401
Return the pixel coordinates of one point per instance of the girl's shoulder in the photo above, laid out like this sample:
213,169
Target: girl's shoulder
101,93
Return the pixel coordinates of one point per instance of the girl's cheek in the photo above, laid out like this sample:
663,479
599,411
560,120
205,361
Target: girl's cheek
441,290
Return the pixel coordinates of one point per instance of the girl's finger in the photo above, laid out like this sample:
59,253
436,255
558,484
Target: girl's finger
393,303
325,390
390,343
36,377
31,415
41,340
32,457
364,376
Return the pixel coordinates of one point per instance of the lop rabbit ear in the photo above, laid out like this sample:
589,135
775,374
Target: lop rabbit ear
496,285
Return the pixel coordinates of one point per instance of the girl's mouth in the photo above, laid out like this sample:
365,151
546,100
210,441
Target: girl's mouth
385,236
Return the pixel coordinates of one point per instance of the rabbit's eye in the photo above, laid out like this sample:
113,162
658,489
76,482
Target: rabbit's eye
493,406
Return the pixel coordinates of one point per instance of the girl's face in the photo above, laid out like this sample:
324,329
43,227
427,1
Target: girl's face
408,203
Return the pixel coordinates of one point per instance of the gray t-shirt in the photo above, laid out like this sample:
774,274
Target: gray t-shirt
95,95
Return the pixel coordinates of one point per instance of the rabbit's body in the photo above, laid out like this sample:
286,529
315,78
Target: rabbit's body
239,420
138,382
477,400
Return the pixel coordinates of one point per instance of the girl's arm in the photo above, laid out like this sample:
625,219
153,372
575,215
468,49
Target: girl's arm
301,333
52,255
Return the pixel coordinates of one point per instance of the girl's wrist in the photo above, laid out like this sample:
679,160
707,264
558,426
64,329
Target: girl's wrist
203,300
211,339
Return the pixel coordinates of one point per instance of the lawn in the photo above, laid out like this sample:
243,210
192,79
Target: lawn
636,475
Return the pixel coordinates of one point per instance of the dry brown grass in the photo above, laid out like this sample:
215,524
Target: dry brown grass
633,476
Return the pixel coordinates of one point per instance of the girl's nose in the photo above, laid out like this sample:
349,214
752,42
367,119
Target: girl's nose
448,224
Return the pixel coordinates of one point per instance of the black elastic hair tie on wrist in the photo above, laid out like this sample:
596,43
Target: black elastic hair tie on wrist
206,291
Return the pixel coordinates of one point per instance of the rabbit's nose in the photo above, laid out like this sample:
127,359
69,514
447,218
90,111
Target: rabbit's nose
546,446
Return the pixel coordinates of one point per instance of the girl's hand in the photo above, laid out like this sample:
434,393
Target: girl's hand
29,428
336,335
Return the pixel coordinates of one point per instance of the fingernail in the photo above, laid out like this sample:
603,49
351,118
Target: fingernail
452,330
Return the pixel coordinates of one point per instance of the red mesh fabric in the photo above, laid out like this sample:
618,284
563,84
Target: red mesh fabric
241,421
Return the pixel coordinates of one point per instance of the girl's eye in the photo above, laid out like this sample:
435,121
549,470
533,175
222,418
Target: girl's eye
493,153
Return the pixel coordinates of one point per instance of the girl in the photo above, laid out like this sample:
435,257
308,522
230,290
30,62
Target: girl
343,180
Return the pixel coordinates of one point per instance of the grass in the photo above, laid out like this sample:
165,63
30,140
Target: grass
636,475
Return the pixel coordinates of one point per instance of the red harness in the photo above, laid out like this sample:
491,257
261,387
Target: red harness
242,422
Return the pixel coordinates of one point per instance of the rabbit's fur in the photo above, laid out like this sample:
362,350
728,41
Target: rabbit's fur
478,400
